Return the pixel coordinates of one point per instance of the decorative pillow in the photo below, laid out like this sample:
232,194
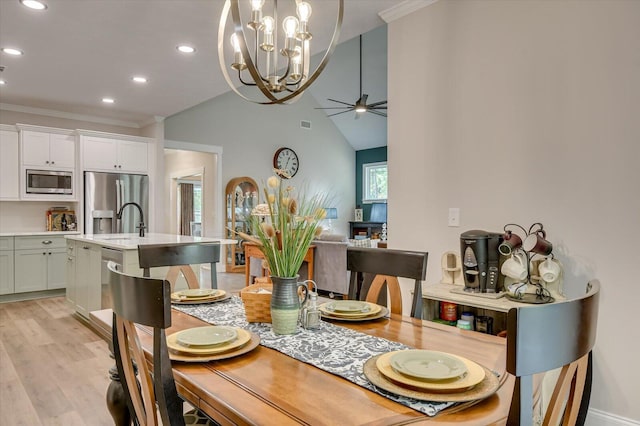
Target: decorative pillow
332,237
365,242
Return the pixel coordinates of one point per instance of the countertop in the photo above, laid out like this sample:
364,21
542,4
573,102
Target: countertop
35,233
131,241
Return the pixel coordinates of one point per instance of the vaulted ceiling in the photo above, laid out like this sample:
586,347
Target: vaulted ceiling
77,52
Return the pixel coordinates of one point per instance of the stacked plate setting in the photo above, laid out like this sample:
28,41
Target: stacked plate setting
351,310
430,370
430,376
198,295
208,340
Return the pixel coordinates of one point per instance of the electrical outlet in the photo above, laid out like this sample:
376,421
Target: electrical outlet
454,216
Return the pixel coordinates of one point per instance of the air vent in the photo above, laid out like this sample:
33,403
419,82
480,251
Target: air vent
305,124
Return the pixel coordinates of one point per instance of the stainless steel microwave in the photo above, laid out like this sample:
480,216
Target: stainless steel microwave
49,182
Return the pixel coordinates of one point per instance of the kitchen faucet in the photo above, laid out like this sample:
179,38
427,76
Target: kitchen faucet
141,226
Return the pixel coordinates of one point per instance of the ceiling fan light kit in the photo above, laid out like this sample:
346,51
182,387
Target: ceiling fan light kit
360,106
259,66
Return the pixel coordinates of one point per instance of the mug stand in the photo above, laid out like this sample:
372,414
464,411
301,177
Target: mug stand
451,269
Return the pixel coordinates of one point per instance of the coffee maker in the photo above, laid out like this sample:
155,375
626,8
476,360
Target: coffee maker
481,261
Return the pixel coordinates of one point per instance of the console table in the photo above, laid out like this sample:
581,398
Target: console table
355,228
253,250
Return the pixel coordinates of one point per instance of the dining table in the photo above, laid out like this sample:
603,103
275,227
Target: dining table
269,387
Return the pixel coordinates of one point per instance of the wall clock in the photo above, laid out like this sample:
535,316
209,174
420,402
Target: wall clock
286,159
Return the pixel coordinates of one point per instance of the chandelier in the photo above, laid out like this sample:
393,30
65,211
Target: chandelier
281,74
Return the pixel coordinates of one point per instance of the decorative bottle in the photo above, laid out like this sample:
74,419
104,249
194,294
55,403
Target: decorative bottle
311,313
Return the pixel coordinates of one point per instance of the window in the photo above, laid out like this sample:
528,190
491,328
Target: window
374,180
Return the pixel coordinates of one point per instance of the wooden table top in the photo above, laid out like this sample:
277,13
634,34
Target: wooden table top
266,387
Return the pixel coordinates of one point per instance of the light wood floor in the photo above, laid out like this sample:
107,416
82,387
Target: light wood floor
53,369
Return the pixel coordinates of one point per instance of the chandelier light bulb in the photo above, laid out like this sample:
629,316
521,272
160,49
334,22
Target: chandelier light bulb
268,25
238,60
290,25
304,11
235,43
257,4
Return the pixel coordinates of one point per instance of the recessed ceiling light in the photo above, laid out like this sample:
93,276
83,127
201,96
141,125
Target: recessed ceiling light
12,51
139,79
186,49
108,100
2,82
33,4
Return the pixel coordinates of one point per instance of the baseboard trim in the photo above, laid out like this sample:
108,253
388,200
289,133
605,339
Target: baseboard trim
602,418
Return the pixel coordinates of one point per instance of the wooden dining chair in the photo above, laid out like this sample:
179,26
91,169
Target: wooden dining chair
385,266
146,301
179,257
541,338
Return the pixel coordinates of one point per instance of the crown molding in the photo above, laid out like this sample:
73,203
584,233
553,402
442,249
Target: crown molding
403,9
68,115
153,120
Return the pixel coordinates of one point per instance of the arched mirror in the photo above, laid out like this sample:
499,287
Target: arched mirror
241,197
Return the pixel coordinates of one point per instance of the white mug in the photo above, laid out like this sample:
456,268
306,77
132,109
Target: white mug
515,267
549,270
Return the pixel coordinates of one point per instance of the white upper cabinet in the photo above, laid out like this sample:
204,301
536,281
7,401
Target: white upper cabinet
48,150
114,155
9,167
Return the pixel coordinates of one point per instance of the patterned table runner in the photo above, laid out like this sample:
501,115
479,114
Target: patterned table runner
337,350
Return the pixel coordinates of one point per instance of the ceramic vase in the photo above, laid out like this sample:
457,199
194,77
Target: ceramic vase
285,304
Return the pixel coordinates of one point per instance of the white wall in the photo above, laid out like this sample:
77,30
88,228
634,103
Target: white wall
526,111
250,134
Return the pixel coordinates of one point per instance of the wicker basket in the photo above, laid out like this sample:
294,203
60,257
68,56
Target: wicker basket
257,306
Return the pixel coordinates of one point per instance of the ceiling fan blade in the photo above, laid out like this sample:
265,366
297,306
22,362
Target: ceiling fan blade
338,113
378,107
340,102
344,107
381,114
375,104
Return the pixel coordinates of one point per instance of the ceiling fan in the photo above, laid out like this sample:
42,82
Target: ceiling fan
360,106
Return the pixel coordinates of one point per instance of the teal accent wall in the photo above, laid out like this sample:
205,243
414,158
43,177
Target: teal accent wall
373,155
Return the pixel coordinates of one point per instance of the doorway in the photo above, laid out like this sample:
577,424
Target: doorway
191,191
189,205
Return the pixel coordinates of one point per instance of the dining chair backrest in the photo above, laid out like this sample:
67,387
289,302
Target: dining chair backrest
144,301
179,257
386,266
541,338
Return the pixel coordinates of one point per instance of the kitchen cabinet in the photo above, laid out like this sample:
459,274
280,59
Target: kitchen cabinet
39,263
87,278
9,165
109,155
6,265
48,150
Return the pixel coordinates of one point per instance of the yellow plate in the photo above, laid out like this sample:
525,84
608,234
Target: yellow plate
243,337
178,296
198,292
373,309
475,374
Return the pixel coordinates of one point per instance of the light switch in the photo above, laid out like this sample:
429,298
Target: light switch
454,216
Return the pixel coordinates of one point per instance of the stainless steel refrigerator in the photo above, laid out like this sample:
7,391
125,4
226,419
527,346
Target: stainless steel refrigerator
106,193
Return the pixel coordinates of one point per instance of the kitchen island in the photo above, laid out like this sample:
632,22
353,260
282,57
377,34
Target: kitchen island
88,254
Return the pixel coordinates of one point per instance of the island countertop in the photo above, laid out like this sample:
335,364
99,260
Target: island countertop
132,241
